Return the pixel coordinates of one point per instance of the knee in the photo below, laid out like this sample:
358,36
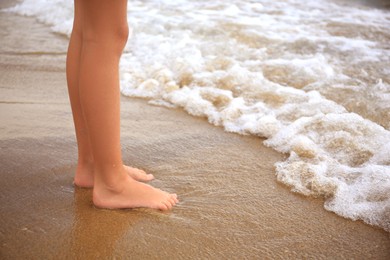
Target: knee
121,36
114,38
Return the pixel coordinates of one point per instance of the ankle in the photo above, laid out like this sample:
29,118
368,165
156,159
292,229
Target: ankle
110,178
83,166
85,162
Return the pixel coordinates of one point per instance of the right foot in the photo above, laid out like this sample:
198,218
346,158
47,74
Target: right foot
132,194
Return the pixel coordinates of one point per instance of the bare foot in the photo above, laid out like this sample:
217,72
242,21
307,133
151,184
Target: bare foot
138,174
128,193
84,175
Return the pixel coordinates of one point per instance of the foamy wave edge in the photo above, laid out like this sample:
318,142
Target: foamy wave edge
333,154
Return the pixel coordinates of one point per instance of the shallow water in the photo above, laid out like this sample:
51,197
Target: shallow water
312,77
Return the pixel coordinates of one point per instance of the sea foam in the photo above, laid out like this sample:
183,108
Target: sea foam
312,77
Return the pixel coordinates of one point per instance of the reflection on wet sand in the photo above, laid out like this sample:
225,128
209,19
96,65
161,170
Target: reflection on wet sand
95,233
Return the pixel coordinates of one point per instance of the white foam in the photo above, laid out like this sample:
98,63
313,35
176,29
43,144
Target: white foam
311,76
57,13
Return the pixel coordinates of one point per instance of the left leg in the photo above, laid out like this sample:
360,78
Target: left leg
84,171
85,163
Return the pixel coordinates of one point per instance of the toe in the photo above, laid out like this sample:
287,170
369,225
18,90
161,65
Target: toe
174,197
173,200
167,205
138,174
170,202
163,207
149,177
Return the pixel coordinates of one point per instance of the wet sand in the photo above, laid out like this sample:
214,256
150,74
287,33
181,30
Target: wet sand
231,205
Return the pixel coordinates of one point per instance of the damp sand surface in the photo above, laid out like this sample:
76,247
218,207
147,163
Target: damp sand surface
231,205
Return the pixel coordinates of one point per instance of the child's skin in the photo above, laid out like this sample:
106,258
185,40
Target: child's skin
99,35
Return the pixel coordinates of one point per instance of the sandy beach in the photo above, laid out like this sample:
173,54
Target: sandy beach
231,204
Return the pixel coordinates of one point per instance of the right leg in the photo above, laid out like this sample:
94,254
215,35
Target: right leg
104,34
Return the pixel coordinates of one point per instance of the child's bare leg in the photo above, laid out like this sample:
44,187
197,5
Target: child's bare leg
104,34
84,171
84,174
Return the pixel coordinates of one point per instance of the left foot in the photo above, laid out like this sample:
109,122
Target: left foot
138,174
84,175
